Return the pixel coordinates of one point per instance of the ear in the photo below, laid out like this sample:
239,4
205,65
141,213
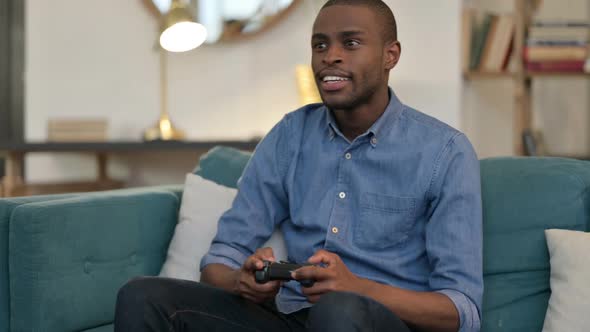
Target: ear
393,51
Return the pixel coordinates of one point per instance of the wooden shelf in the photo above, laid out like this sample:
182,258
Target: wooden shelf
14,183
558,74
475,75
123,146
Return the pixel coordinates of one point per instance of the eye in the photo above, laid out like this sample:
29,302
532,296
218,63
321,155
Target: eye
320,46
351,43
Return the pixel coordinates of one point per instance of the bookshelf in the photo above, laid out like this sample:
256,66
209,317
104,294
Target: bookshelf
522,118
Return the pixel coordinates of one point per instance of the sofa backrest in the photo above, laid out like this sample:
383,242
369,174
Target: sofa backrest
521,198
223,165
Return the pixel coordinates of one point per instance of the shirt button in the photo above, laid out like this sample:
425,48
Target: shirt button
348,156
335,230
342,195
374,140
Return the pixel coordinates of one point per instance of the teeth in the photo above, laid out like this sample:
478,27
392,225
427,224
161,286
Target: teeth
334,78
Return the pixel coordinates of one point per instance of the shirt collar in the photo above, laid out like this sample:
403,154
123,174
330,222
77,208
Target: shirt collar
383,123
386,120
331,126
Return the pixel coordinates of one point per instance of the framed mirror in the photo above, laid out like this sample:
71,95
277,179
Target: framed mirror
231,20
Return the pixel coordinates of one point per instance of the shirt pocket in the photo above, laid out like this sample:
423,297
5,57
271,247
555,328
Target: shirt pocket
385,221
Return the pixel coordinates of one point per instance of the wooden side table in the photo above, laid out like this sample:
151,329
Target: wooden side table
14,183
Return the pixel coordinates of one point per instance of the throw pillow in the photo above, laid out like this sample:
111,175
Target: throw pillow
570,271
203,203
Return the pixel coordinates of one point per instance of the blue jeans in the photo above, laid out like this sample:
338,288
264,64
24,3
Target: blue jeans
161,304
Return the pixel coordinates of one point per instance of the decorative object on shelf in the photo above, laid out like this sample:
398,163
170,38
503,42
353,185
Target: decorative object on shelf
308,90
77,130
231,20
533,143
179,33
163,129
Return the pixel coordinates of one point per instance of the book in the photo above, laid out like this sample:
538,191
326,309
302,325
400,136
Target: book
560,24
553,42
498,44
467,26
557,53
479,39
488,48
74,123
559,33
76,137
556,66
77,130
506,62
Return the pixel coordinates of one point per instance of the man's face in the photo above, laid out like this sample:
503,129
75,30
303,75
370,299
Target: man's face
348,57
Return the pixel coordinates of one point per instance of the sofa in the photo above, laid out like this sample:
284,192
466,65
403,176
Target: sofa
64,257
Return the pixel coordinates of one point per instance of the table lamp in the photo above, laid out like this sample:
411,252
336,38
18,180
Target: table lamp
179,33
308,90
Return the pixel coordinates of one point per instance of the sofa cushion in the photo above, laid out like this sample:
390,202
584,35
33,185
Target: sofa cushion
204,202
223,165
570,272
62,275
521,198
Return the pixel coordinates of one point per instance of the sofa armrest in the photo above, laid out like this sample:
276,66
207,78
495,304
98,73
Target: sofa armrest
69,257
7,205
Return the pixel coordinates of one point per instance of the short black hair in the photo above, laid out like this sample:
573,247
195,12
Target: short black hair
389,32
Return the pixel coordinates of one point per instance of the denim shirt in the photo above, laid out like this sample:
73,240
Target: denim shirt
400,204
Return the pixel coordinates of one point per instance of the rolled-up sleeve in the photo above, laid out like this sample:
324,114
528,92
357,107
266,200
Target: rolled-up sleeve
454,231
260,204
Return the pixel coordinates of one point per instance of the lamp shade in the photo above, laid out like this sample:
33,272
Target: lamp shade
180,32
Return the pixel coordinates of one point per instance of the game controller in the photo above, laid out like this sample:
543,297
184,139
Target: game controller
280,271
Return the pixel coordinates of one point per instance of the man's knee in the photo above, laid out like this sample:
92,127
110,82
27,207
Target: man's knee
340,311
339,308
134,291
138,290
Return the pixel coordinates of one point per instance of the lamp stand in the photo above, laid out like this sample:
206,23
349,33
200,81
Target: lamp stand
163,129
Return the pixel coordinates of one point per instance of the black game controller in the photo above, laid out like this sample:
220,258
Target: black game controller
280,271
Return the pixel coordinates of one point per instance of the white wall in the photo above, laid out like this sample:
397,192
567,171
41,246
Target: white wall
428,75
96,58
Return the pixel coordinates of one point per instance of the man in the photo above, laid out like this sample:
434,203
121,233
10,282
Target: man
383,200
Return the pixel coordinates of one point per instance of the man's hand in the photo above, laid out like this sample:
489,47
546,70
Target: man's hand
246,285
333,276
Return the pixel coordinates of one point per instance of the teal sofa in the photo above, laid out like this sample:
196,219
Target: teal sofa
64,257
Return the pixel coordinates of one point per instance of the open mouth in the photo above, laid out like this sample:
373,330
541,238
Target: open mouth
334,83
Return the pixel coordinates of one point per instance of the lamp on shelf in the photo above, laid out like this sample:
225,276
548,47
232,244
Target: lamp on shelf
179,33
306,86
